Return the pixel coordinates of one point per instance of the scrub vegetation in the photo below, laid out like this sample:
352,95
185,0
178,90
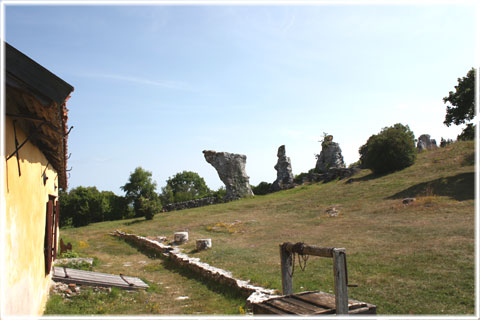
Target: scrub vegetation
406,259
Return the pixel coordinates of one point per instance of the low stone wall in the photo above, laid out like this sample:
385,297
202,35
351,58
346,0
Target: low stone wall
253,293
190,204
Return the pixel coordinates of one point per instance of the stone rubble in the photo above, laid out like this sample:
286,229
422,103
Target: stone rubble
72,289
231,170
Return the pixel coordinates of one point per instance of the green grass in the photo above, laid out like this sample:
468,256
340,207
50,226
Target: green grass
415,259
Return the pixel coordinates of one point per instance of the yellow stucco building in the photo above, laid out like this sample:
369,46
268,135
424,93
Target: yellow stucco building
33,170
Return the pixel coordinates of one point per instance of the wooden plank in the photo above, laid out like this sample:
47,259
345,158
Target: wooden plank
286,270
310,250
289,307
325,300
340,278
261,308
96,278
320,299
310,302
298,302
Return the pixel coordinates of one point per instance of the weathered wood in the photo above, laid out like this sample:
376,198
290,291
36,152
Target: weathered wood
308,250
300,303
288,307
340,278
261,308
286,270
97,279
309,303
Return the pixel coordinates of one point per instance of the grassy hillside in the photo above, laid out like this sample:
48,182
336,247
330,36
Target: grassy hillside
415,259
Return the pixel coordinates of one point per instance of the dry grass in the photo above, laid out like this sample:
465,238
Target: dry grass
407,259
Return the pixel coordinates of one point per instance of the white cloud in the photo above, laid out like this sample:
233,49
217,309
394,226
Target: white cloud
168,84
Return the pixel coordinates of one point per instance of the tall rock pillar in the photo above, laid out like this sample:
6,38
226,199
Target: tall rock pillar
284,171
231,170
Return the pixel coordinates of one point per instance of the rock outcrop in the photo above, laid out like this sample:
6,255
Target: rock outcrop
425,143
284,171
330,156
231,170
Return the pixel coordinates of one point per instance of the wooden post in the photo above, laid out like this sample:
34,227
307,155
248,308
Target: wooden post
340,276
286,268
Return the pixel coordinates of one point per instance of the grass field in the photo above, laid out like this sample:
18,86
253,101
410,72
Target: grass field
415,259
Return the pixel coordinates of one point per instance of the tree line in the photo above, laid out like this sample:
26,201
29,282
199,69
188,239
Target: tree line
84,205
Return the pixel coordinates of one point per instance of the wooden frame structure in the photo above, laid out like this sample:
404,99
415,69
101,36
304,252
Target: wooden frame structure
287,251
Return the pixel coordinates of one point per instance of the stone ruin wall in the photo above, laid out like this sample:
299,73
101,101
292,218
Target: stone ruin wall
254,294
190,204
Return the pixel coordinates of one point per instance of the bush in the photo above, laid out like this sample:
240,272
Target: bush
299,177
262,188
148,207
390,150
445,142
219,194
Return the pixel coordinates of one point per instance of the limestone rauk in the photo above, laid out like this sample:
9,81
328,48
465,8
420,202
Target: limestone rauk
231,170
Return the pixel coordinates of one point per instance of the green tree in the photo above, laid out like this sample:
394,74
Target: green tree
81,206
118,206
148,207
390,150
84,205
462,104
140,184
184,186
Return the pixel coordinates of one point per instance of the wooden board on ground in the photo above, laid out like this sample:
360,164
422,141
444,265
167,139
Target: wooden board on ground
309,303
91,278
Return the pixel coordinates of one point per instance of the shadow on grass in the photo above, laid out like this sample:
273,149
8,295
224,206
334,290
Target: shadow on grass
134,221
228,292
459,187
216,287
369,177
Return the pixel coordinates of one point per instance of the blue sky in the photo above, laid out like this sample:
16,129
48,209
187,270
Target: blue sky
156,85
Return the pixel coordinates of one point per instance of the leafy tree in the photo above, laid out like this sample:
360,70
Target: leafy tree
468,133
140,184
184,186
81,206
84,205
390,150
462,104
118,206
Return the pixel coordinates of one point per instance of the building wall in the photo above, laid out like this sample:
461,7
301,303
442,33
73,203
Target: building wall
25,286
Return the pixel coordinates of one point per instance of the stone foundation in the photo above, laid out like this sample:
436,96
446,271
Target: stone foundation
253,293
